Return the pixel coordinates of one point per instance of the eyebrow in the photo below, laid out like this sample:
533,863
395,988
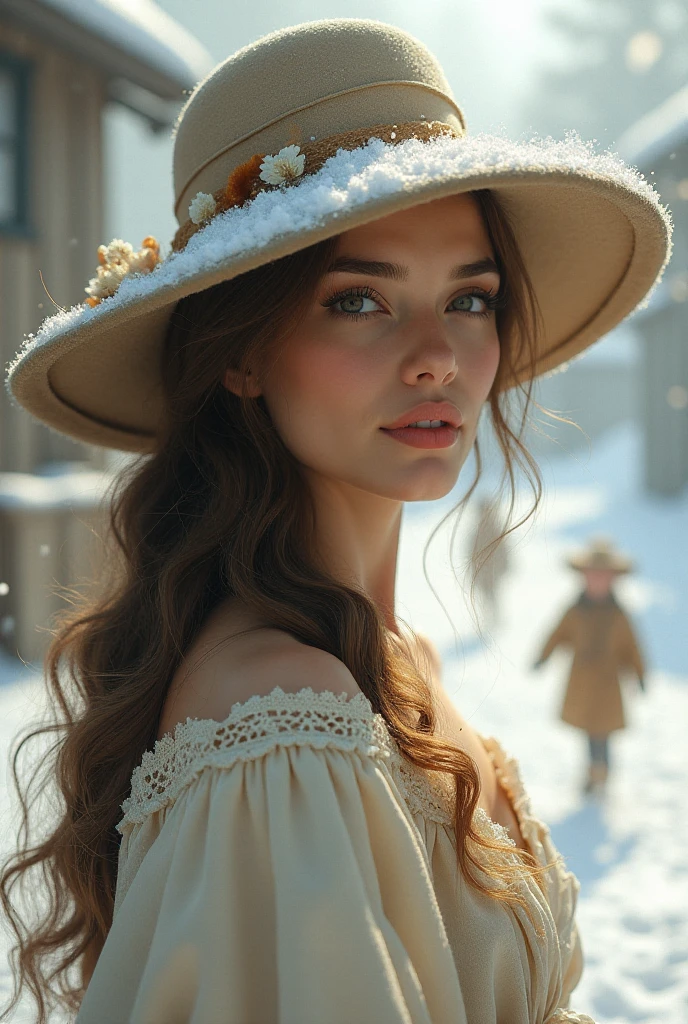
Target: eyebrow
395,272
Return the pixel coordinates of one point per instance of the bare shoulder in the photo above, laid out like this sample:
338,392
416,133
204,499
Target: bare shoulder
279,660
427,658
429,650
225,667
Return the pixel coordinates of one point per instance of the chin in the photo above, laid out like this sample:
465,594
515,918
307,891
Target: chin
429,493
427,483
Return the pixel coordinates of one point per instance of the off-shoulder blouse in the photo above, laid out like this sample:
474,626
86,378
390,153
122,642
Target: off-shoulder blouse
290,866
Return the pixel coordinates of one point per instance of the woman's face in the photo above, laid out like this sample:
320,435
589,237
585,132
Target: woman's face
404,316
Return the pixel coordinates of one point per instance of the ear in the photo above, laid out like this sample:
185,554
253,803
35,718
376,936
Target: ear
239,383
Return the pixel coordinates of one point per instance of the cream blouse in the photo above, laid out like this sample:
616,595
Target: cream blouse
290,866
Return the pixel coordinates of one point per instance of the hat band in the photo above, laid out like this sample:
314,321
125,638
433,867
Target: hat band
246,181
321,100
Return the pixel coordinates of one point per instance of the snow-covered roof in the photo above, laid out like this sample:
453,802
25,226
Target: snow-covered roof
658,132
132,39
32,492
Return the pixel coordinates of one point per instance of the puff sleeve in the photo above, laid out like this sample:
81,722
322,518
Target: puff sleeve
270,872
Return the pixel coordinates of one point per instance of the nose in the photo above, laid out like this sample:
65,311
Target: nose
430,354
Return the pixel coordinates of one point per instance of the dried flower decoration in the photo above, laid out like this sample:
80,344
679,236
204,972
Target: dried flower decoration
241,181
285,166
119,260
202,208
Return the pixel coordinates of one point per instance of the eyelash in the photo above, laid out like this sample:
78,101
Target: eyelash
493,301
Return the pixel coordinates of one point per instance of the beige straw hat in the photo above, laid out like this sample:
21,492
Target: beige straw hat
600,554
304,134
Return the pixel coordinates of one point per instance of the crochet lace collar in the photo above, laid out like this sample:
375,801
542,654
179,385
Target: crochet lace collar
306,717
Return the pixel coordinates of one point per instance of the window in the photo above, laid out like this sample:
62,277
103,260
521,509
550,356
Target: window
14,112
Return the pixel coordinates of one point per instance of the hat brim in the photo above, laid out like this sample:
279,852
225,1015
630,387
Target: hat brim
616,563
593,233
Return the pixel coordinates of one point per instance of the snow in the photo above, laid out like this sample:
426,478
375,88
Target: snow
346,181
143,30
627,849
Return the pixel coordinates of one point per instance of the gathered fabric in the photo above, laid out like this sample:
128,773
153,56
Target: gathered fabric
290,866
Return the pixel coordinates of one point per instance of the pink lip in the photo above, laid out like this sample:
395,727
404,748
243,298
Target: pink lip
428,411
425,437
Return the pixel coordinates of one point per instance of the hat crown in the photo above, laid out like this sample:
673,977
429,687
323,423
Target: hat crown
601,546
600,553
315,79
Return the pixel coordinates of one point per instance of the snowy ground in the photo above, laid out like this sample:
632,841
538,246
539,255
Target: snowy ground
629,850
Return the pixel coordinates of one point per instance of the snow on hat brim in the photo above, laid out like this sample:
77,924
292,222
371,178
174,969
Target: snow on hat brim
593,233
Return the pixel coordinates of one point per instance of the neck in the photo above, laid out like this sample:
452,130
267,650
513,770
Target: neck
357,540
598,598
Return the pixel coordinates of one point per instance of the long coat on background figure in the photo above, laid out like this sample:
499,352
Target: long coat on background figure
604,645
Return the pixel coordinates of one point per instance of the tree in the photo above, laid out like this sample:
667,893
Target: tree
610,62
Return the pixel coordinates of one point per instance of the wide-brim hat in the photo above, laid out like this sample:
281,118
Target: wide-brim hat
600,553
307,133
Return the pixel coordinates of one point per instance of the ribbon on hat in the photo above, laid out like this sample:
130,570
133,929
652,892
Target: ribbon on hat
259,173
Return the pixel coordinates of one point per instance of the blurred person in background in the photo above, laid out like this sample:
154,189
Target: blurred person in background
489,558
271,810
604,644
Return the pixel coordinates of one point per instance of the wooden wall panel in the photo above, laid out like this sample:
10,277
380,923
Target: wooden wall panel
19,433
67,209
666,426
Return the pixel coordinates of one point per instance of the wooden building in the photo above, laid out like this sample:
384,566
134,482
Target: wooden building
658,145
61,63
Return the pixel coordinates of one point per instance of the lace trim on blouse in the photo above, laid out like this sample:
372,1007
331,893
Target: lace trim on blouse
253,728
568,1017
509,778
305,718
323,720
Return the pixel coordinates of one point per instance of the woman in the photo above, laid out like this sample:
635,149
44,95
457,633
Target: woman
603,641
311,831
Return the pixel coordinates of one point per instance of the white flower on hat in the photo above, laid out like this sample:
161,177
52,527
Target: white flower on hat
202,207
285,166
117,253
119,260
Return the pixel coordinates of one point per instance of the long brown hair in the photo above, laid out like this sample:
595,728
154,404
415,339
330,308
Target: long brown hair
220,509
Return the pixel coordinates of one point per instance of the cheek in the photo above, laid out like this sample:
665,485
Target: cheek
481,368
317,389
494,356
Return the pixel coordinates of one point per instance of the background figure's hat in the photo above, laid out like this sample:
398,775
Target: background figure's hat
600,554
307,133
